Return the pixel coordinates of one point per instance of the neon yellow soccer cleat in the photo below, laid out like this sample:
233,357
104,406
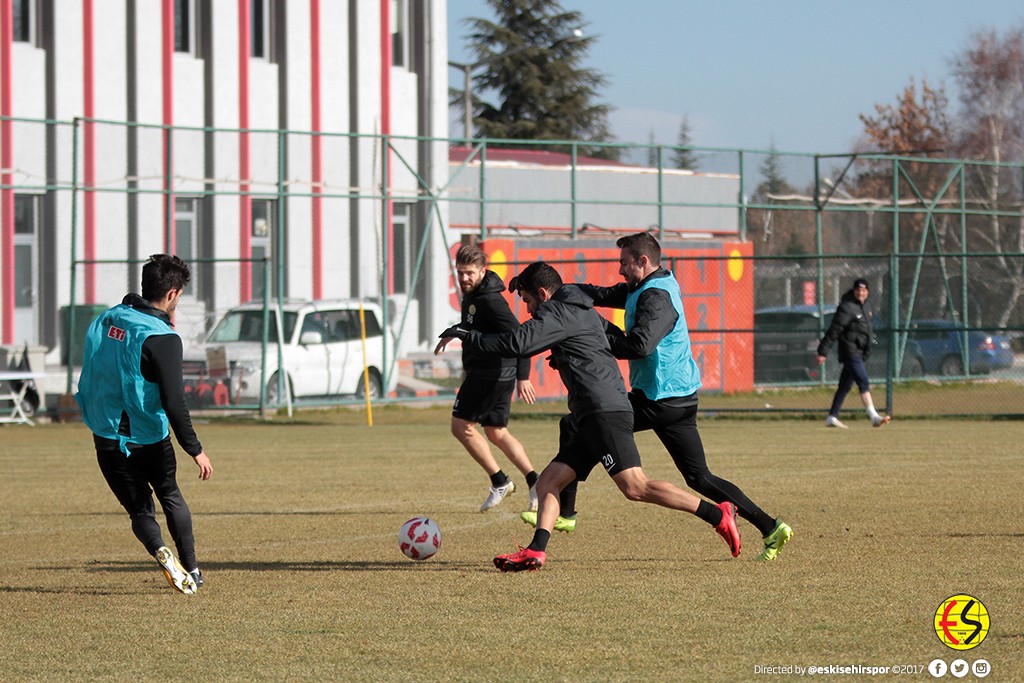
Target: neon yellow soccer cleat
774,541
564,524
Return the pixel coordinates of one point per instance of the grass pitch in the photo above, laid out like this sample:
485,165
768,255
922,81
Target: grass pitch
296,534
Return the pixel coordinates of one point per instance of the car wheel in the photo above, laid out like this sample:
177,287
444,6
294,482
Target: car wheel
28,408
911,367
375,386
272,393
951,366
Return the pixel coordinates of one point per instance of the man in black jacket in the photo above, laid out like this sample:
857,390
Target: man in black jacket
131,394
851,326
485,396
599,427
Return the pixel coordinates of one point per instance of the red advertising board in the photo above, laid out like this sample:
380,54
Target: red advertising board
717,287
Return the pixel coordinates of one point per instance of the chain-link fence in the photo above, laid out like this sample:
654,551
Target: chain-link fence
764,244
940,348
235,358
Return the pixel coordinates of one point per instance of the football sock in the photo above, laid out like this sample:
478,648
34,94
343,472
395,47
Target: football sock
540,540
499,478
531,479
711,514
567,500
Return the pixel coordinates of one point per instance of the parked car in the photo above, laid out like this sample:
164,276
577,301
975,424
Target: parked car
322,353
786,346
941,343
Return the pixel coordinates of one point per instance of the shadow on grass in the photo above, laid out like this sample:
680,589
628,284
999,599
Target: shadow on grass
241,513
72,590
134,567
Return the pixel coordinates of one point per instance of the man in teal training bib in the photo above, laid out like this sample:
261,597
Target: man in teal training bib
132,394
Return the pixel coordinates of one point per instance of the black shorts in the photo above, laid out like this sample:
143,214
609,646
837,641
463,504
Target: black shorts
605,438
487,402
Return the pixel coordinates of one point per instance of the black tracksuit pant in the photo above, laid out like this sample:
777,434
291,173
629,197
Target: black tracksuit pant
134,479
676,426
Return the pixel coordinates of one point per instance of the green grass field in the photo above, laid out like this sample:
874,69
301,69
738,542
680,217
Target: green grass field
304,580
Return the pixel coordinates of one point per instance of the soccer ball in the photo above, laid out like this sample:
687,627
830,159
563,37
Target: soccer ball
419,538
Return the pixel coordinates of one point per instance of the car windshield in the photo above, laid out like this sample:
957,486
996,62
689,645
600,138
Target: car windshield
247,326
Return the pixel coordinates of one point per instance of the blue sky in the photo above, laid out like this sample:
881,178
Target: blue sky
746,74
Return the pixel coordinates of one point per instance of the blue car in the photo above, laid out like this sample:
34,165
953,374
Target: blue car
941,348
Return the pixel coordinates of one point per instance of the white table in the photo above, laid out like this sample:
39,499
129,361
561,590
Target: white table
16,396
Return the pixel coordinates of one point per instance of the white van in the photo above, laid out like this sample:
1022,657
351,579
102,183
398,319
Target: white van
322,352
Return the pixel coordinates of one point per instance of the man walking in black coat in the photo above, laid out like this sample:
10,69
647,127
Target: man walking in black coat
851,327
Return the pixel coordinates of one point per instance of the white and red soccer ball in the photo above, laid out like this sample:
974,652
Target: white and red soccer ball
419,538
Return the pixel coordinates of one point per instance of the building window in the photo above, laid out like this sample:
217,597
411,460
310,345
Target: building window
23,21
399,33
184,25
264,215
261,29
405,248
26,224
186,234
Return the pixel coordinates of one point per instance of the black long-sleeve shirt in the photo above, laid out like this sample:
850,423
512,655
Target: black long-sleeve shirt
568,325
655,316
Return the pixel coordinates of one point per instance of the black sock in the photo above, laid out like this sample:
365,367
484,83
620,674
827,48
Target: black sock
567,500
712,514
531,479
540,540
499,478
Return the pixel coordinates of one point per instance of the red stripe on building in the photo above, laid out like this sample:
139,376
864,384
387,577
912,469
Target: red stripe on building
6,162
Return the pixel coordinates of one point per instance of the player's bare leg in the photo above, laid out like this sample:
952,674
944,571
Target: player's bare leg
553,479
635,485
510,446
475,443
477,446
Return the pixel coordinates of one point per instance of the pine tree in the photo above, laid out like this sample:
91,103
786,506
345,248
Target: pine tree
774,182
543,93
683,157
652,150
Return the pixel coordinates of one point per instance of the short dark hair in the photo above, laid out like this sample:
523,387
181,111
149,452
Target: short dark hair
535,276
641,244
163,273
470,255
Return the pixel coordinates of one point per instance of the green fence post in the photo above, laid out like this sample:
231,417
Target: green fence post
483,191
572,191
281,379
891,366
742,200
74,241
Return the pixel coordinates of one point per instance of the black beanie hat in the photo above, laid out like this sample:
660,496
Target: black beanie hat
860,282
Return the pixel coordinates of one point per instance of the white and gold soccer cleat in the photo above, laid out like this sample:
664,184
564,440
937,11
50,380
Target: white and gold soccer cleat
176,575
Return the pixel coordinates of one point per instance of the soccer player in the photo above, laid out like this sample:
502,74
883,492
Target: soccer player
851,325
664,378
599,427
485,397
131,391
